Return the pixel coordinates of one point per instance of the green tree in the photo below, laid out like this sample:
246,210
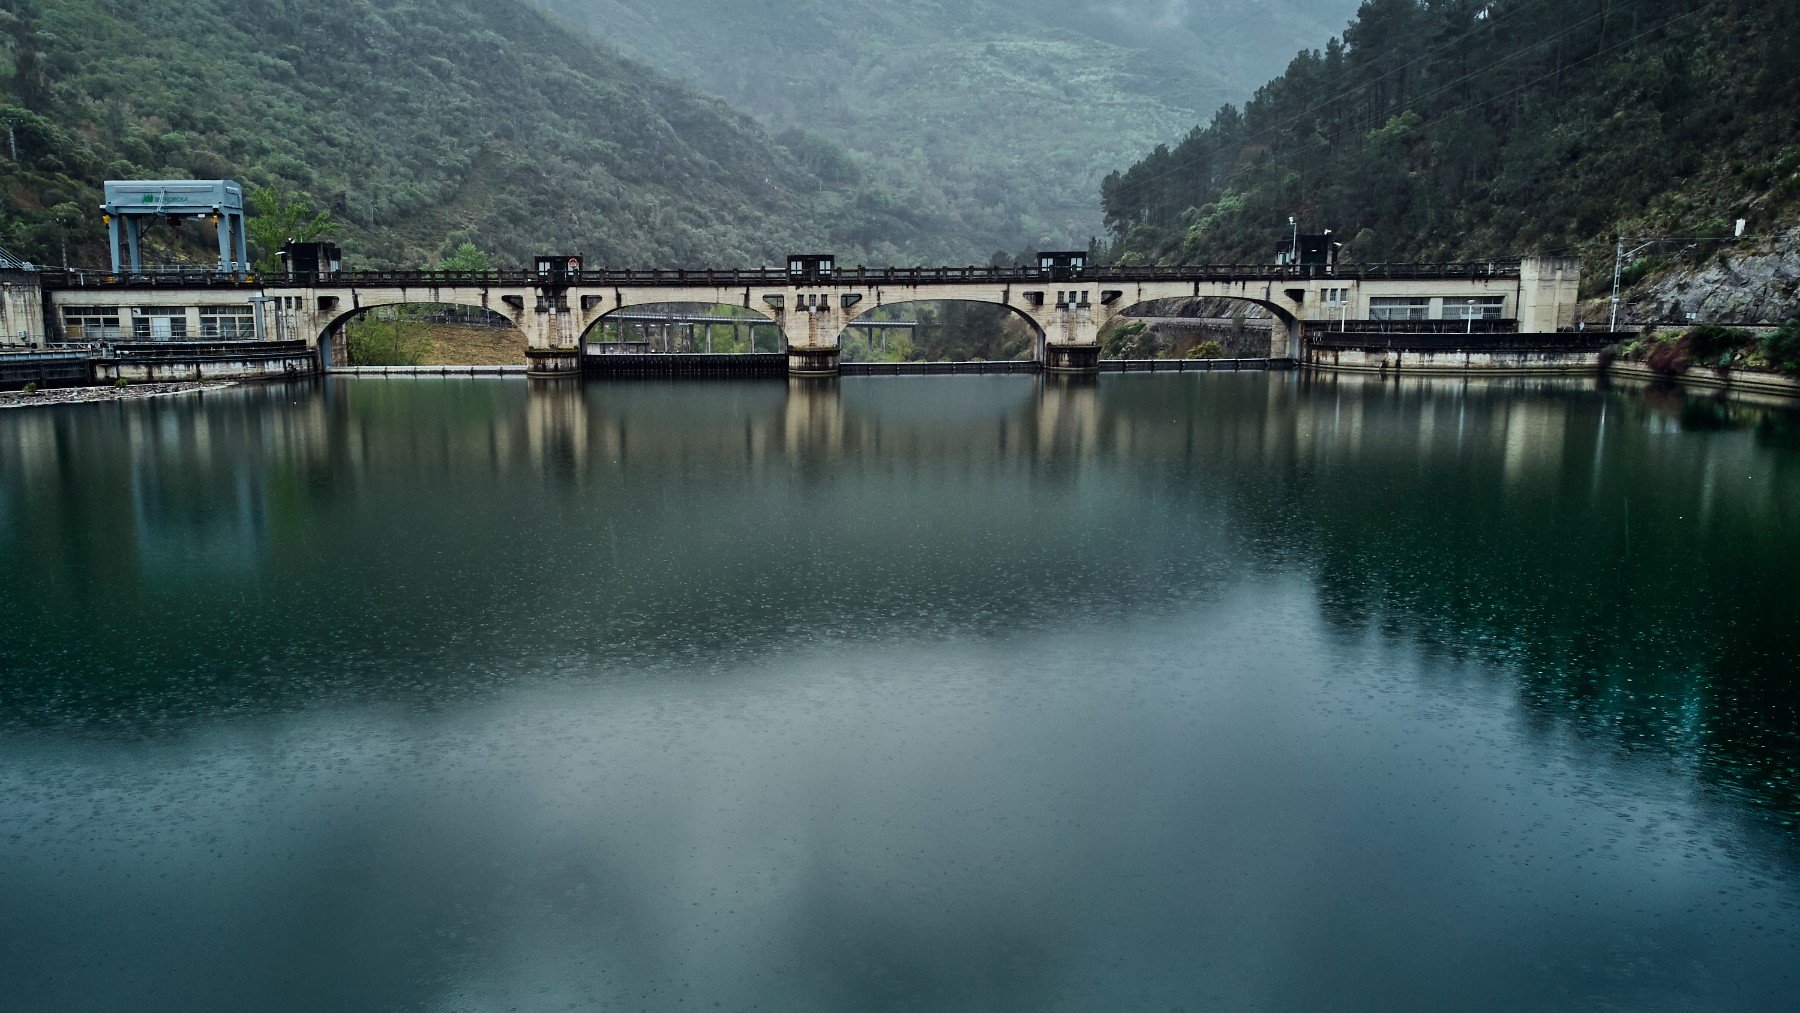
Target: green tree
279,217
468,257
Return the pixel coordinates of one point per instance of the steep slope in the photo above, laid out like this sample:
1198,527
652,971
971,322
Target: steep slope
1479,129
995,119
420,123
1238,42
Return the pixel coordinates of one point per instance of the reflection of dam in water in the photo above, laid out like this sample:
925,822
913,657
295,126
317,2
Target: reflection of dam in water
200,470
195,510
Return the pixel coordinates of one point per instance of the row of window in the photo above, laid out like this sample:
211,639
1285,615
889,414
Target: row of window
1488,307
158,323
1066,300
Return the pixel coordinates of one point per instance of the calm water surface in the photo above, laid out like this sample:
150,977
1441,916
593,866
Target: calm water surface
1161,692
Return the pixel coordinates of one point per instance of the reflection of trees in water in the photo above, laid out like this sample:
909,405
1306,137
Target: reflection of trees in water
609,526
1634,585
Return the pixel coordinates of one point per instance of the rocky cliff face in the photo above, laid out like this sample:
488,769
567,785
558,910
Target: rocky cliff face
1749,285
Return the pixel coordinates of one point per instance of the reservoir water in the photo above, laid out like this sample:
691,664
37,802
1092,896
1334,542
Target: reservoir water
1158,692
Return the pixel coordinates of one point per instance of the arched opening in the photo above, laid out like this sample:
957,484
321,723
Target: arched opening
683,328
424,334
952,330
1208,327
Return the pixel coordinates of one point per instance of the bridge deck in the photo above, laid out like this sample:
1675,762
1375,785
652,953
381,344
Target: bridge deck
845,277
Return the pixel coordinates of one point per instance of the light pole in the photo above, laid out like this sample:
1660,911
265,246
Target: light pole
1294,250
1469,315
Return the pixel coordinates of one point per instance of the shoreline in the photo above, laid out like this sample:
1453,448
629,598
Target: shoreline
102,395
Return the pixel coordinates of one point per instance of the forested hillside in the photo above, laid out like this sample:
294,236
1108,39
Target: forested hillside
1459,128
995,120
420,123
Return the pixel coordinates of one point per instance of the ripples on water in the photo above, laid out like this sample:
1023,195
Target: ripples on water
1156,692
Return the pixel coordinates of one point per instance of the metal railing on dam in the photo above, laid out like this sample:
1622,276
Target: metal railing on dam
686,364
1441,340
738,277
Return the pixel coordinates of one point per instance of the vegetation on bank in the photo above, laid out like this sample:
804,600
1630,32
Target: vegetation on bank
1130,338
1672,353
946,332
1445,130
424,335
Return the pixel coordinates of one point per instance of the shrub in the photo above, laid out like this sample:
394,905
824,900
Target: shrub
1207,350
1638,270
1782,348
1713,343
121,382
31,387
1670,358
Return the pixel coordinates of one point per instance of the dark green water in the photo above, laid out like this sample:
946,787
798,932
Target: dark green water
1165,692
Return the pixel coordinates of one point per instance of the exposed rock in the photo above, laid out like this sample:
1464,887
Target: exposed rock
1759,284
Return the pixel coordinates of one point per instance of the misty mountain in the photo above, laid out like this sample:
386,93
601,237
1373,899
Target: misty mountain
420,124
1441,131
993,120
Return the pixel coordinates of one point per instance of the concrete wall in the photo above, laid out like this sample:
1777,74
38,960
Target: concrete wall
1393,362
1592,363
21,309
249,366
1548,290
1736,381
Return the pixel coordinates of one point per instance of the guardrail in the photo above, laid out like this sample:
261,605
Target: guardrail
1189,365
739,278
687,364
1447,326
1561,341
428,371
971,368
201,350
46,368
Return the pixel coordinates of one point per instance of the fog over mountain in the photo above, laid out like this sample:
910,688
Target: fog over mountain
993,121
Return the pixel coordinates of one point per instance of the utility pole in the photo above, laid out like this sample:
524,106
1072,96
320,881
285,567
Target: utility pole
1621,257
1618,272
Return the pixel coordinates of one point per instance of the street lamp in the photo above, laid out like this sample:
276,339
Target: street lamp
1469,315
1294,250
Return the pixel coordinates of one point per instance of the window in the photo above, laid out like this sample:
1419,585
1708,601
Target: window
159,323
92,323
227,323
1334,304
1487,307
1406,308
